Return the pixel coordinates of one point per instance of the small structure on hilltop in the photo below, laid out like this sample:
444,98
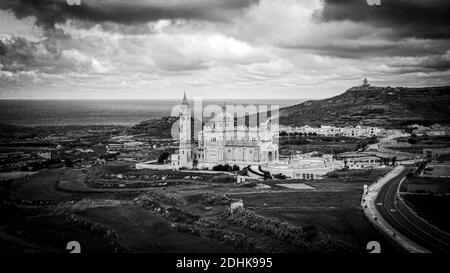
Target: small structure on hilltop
366,83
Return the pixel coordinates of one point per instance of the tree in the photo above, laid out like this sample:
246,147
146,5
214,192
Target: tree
394,159
194,163
226,168
68,162
163,157
279,176
362,146
235,168
372,140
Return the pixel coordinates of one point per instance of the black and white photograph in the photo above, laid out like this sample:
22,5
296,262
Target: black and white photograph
238,129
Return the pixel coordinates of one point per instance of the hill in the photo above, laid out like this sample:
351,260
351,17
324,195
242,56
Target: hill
377,106
155,127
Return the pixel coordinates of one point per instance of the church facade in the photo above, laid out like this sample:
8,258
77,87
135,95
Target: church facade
222,142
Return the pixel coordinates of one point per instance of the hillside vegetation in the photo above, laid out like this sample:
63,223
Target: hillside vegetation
377,106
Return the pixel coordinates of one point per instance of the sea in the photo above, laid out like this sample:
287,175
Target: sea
100,112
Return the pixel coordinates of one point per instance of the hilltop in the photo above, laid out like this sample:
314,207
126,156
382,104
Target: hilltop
376,106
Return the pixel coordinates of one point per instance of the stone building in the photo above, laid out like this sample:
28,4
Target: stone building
222,142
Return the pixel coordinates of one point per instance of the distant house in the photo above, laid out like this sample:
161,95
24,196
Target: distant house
433,153
361,131
434,130
365,162
132,145
327,130
357,160
115,146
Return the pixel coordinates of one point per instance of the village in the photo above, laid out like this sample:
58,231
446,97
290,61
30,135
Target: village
305,152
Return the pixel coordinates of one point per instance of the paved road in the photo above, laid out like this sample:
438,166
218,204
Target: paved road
407,223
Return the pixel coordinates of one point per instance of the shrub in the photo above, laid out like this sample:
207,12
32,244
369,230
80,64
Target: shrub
279,176
163,157
225,168
225,178
210,198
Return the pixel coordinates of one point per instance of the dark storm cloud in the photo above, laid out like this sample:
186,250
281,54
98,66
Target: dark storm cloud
17,54
49,12
435,63
409,18
384,48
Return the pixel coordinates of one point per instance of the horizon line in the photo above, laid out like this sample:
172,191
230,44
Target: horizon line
148,99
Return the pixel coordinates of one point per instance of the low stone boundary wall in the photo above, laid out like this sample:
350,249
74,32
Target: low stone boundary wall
97,229
237,240
308,237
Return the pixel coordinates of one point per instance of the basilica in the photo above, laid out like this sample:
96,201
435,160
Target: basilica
221,141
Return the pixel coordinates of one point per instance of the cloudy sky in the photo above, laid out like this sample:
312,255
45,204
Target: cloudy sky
218,49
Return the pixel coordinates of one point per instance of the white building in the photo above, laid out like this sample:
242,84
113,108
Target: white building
221,142
364,162
326,130
132,145
305,166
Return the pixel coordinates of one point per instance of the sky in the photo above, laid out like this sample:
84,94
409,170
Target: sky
214,49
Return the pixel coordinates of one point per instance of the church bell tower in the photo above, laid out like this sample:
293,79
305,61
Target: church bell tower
185,135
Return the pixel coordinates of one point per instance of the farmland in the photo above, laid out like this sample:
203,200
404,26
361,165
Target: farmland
183,211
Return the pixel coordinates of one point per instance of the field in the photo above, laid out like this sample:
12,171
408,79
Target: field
13,175
433,208
40,186
347,224
303,199
190,216
43,228
141,231
428,185
336,212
